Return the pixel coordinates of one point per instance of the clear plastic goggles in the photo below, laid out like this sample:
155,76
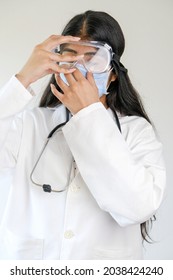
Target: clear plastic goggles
97,56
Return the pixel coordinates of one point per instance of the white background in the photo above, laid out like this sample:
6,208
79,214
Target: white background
148,29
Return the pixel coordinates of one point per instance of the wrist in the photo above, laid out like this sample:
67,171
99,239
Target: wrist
23,80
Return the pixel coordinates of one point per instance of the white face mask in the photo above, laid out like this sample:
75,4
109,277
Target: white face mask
101,79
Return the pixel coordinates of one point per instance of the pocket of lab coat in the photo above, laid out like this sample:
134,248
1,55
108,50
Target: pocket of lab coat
102,254
20,248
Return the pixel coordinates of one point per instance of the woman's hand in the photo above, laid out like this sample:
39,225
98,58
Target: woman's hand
43,61
80,93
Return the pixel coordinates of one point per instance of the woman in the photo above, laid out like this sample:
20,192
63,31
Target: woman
88,192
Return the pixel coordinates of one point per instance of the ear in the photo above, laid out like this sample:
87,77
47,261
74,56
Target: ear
112,77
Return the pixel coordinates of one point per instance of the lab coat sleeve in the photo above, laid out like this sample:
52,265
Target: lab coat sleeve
9,152
126,180
13,99
10,149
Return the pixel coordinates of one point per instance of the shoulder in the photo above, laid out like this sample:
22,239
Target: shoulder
131,123
134,123
139,134
136,129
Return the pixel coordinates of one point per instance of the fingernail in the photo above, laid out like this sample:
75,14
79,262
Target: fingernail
71,70
52,86
76,38
80,56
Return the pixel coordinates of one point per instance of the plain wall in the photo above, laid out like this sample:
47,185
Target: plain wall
147,27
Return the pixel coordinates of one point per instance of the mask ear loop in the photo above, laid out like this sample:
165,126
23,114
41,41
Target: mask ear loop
109,71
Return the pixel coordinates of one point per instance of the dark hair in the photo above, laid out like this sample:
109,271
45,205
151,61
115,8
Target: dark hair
122,97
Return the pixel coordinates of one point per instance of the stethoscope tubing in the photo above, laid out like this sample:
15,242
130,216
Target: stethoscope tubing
46,187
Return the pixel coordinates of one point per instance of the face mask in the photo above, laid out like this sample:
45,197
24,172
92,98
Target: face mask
101,79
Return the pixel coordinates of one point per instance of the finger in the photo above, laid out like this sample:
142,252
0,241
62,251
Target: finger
70,78
66,58
61,83
55,92
55,68
78,75
55,40
90,78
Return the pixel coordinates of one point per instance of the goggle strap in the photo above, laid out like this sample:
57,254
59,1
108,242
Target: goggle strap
116,63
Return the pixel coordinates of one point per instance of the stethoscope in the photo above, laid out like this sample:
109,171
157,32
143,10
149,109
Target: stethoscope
47,187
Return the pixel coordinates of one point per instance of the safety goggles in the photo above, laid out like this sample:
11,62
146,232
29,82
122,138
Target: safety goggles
97,56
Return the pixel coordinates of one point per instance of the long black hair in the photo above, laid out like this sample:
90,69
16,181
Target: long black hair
122,97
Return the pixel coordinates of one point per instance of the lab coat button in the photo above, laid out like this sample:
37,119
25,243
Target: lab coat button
68,234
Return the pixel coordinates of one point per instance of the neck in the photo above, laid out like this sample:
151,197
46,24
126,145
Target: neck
103,100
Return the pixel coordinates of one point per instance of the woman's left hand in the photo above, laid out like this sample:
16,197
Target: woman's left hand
80,93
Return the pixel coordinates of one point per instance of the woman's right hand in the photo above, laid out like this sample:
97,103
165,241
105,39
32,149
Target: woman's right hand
43,61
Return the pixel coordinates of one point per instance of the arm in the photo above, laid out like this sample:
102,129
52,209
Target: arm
10,148
9,151
127,180
43,61
14,96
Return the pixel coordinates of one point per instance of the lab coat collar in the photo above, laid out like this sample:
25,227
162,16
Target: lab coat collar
59,114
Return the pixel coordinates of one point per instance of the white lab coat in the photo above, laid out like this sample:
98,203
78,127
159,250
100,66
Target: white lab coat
116,182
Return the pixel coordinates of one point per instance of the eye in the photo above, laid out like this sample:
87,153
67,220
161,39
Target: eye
68,52
65,50
89,56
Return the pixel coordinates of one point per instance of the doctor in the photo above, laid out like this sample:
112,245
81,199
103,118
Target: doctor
86,168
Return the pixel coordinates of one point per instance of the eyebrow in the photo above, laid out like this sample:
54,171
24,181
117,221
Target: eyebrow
73,51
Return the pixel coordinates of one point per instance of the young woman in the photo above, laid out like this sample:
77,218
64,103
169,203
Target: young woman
86,167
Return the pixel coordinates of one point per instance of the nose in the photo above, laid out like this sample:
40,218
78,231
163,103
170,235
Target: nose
80,62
